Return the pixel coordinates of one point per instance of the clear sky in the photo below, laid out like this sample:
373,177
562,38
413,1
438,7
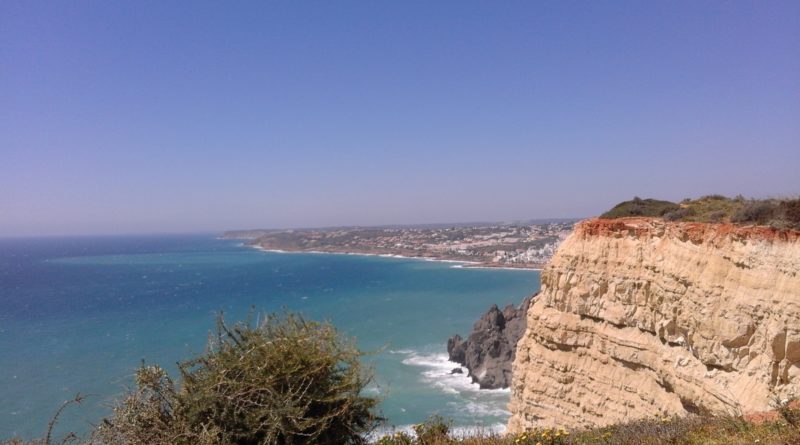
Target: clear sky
129,117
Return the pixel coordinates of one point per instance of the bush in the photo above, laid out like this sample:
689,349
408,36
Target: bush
147,415
641,207
756,212
432,431
286,381
790,211
679,214
716,216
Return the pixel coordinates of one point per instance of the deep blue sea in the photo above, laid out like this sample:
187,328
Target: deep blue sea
80,314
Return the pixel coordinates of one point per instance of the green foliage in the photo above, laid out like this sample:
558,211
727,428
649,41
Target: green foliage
781,214
543,436
790,210
681,214
758,212
641,207
286,381
399,438
433,430
147,414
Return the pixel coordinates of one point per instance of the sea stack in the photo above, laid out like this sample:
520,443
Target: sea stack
488,352
640,317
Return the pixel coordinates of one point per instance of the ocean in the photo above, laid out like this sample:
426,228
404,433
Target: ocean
80,314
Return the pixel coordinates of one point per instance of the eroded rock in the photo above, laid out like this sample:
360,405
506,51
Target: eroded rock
489,350
640,317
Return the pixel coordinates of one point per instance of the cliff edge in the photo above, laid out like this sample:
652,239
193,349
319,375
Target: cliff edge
640,317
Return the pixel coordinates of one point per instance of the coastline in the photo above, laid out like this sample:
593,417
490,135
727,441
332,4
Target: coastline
458,264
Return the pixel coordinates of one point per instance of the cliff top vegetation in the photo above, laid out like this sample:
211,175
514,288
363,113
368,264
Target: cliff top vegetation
777,213
780,428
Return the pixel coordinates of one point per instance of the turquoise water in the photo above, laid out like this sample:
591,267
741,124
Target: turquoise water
80,314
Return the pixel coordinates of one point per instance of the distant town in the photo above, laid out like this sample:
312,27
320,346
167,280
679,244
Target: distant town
524,245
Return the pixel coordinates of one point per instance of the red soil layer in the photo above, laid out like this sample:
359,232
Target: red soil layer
768,416
696,232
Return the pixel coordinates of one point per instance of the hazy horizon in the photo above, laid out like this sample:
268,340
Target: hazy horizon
244,229
140,118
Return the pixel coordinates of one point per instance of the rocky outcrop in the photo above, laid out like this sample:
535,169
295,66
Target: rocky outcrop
640,317
489,350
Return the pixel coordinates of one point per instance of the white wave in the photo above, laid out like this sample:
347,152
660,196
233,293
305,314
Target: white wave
456,431
264,249
382,255
439,361
402,351
464,431
482,409
440,374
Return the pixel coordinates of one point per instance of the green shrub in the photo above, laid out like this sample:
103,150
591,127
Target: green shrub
147,415
790,210
641,207
286,381
399,438
679,214
756,212
432,431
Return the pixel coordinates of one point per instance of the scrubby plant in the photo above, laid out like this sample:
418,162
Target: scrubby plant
286,381
758,212
543,436
148,414
790,211
679,214
433,430
641,207
397,438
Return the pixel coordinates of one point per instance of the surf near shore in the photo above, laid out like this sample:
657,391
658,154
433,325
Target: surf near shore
458,263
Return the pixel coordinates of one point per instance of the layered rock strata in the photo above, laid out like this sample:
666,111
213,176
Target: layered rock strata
640,317
488,351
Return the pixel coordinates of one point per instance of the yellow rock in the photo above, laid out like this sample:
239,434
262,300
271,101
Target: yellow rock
639,317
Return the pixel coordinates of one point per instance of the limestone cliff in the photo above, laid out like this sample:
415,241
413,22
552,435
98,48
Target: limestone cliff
639,317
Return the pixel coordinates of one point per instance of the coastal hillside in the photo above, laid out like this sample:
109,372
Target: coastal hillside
525,245
642,316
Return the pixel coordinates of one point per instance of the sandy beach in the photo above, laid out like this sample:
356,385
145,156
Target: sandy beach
459,264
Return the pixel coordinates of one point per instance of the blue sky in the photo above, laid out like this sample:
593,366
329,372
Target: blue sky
144,117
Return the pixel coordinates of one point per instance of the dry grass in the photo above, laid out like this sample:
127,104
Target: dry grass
695,430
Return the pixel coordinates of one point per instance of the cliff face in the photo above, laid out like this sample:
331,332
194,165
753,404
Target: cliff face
488,352
639,317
